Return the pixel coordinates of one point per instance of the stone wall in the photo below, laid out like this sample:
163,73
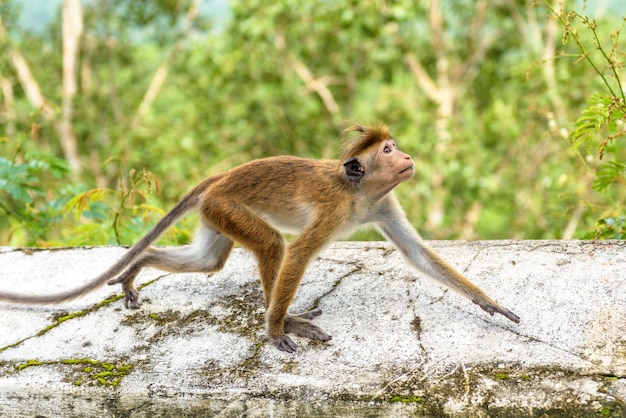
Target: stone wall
402,345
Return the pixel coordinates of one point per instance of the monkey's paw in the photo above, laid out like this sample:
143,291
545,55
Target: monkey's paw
284,343
492,309
301,326
131,298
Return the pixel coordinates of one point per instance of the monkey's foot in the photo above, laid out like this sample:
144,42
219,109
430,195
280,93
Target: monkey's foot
131,298
131,295
491,309
302,326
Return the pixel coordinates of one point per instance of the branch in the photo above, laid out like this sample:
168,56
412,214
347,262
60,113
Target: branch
317,85
424,80
25,76
72,30
9,106
479,40
435,23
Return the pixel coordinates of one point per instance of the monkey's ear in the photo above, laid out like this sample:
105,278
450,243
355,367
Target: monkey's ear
354,169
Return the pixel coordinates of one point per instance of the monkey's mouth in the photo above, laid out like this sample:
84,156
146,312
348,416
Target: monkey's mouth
406,169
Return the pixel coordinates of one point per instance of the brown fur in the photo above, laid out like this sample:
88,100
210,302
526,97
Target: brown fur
367,138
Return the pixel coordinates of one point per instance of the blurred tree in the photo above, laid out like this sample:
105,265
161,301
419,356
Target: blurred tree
475,90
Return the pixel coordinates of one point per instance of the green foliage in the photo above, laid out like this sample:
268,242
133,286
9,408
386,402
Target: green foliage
602,120
116,216
75,216
603,113
609,228
609,173
23,195
23,181
592,119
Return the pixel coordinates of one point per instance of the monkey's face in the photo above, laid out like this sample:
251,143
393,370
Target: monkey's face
395,165
386,167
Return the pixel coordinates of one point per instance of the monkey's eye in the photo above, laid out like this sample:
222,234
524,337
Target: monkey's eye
387,149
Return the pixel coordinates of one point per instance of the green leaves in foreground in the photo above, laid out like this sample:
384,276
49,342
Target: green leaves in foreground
604,114
609,173
23,180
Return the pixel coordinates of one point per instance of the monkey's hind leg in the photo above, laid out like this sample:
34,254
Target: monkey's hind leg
206,254
301,325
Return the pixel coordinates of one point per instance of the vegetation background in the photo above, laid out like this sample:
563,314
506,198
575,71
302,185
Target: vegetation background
112,109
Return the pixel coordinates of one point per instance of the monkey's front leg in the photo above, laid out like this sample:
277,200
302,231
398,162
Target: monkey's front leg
279,322
398,230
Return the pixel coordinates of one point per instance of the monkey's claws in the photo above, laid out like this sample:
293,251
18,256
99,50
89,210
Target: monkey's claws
510,315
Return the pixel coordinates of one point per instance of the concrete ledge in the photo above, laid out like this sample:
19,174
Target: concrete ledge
402,345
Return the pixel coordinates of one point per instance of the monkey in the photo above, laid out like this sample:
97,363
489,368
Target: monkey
320,200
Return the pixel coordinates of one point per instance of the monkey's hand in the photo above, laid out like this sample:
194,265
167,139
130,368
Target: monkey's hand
302,326
492,307
284,343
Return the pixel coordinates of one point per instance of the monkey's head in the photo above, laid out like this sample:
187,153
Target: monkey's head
373,158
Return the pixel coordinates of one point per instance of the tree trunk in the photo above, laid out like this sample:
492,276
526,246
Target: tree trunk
8,108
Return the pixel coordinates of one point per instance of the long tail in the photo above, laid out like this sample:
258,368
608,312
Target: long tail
187,203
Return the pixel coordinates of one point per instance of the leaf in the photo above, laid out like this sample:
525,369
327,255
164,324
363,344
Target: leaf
17,180
150,213
43,161
82,201
591,120
608,174
610,228
88,234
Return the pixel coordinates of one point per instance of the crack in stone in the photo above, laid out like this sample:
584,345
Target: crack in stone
357,267
529,338
471,262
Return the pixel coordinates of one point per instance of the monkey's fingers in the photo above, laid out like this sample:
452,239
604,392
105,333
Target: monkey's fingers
305,328
491,309
284,343
507,314
310,314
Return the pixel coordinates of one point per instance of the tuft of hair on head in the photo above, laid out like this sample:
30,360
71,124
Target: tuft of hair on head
367,137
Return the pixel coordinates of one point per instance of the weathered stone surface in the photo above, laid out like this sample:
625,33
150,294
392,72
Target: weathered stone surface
402,345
